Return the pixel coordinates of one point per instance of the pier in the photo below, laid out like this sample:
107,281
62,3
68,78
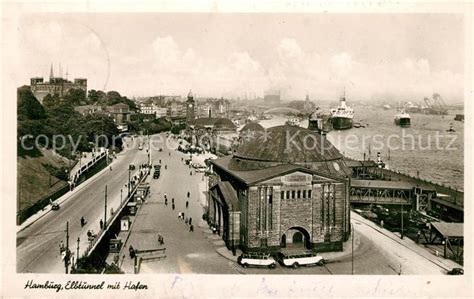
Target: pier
375,185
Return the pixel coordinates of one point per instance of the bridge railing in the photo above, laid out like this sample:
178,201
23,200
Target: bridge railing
143,175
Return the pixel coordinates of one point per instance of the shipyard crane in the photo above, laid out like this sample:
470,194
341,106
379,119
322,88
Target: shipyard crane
439,101
428,102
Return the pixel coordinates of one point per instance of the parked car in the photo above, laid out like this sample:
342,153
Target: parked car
456,271
256,260
300,259
132,167
157,166
156,174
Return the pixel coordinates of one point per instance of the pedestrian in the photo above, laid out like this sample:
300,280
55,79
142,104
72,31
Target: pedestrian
191,173
89,234
169,154
61,247
187,203
418,235
182,214
166,201
189,194
179,215
101,224
131,251
186,220
381,223
191,228
172,200
172,206
190,220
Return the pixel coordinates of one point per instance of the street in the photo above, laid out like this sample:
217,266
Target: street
186,251
38,244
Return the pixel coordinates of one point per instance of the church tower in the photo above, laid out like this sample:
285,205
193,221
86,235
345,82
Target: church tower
190,107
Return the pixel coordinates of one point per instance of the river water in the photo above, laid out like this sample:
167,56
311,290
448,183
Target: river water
425,147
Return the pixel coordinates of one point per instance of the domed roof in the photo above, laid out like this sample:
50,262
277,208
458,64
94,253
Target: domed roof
190,94
253,127
288,144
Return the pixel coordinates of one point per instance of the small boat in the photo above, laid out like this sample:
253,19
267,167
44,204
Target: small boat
293,121
451,129
386,107
402,119
357,125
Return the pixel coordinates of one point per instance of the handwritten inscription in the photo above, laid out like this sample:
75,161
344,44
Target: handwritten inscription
84,285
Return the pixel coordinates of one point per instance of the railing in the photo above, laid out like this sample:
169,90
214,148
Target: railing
88,165
101,232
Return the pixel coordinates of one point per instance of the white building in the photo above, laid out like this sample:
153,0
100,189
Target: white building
153,109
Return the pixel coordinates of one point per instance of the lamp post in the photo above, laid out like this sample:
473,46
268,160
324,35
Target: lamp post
77,254
352,249
128,185
401,231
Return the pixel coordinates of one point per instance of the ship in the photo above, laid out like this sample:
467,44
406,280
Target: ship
319,122
402,119
341,117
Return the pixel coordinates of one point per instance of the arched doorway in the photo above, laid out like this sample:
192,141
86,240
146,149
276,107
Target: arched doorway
283,241
296,238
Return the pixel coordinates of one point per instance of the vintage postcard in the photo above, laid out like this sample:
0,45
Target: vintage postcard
245,150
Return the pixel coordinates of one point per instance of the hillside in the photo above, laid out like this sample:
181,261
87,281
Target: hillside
33,177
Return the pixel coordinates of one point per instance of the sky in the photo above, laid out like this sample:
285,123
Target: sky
403,57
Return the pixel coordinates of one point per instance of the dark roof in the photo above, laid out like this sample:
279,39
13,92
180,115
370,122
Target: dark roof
355,163
224,123
252,126
453,230
255,176
229,195
120,105
212,122
288,144
379,184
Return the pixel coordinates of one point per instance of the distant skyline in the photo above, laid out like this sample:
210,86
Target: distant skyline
395,56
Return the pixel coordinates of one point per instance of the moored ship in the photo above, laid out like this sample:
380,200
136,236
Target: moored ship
342,116
402,119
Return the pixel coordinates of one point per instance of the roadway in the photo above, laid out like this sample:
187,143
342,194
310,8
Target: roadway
377,251
38,244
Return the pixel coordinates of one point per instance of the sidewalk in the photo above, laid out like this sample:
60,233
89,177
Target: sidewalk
446,264
33,218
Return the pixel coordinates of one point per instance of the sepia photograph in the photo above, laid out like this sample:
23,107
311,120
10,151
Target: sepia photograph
272,144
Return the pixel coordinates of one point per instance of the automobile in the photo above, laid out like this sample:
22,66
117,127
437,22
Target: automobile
54,206
157,166
456,271
156,175
140,147
295,260
256,260
132,167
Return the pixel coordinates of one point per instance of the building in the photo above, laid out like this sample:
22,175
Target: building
213,134
190,107
152,109
281,191
119,112
88,109
272,97
55,85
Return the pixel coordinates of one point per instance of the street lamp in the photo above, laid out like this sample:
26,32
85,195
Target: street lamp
352,249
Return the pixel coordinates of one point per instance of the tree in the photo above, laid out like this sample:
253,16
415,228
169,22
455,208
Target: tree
74,97
28,107
50,101
96,97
